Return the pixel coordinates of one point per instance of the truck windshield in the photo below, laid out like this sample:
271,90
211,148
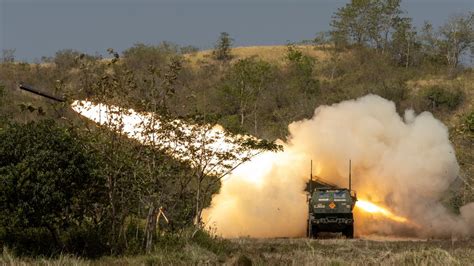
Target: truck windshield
323,194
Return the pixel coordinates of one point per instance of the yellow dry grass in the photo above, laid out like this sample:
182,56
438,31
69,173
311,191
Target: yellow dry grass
464,81
270,53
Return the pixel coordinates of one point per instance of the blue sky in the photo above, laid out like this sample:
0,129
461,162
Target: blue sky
38,28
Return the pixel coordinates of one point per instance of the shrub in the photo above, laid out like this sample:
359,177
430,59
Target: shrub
469,122
438,97
214,244
67,59
28,241
86,240
48,183
140,57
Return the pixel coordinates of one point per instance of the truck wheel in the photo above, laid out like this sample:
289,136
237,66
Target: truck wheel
314,232
309,230
349,231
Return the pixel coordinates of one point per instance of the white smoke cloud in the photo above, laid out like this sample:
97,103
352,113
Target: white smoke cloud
405,164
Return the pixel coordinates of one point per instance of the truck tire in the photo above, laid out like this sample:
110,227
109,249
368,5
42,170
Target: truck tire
349,232
309,231
314,231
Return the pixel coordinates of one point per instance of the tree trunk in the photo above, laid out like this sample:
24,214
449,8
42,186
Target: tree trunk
408,55
242,104
150,229
55,236
111,193
197,219
255,120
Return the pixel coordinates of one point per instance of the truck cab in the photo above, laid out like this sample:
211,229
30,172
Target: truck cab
330,210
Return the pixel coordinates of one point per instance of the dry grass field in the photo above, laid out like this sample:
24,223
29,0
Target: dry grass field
290,252
271,53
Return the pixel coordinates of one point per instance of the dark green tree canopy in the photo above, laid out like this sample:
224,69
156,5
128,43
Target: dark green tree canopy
47,176
223,47
366,22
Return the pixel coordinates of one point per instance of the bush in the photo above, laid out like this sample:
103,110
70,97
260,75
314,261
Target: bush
67,59
395,91
212,243
48,183
469,122
438,97
140,57
86,240
29,242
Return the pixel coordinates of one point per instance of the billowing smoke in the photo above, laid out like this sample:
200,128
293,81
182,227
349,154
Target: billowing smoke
405,164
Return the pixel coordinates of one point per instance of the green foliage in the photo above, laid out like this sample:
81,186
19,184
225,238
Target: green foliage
395,91
32,241
212,243
68,59
293,54
222,48
469,121
404,46
365,22
86,240
439,97
48,179
300,70
141,57
243,86
458,37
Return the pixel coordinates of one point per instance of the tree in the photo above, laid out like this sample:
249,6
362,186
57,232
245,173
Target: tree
457,37
160,86
222,49
48,179
113,86
141,56
244,83
365,23
212,153
404,42
300,73
69,58
430,47
8,55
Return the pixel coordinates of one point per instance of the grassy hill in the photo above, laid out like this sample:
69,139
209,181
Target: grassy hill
271,53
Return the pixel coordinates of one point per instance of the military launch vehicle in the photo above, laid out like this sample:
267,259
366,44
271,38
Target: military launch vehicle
330,208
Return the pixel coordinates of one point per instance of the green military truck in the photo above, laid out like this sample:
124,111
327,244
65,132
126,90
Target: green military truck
330,208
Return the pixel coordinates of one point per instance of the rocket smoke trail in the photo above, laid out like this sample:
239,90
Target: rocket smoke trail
403,163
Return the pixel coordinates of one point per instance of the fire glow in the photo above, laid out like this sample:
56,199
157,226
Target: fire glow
253,171
374,209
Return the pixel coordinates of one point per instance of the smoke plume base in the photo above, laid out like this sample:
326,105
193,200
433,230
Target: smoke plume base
404,164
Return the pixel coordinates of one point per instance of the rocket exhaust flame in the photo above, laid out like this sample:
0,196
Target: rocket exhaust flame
407,163
372,208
